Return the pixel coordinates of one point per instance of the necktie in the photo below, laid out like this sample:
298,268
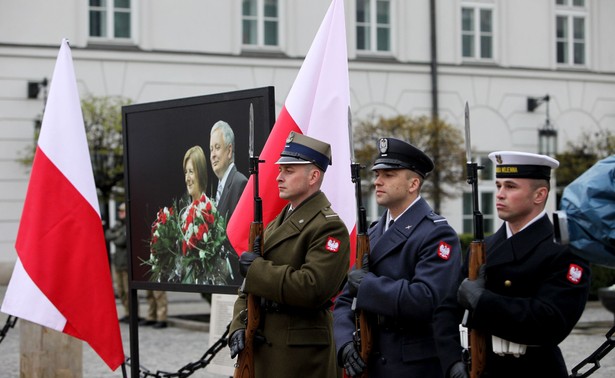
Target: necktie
218,192
391,223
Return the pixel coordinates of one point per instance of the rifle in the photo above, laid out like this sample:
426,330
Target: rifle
477,339
363,334
244,368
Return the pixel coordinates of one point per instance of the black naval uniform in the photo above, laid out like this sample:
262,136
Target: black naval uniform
536,291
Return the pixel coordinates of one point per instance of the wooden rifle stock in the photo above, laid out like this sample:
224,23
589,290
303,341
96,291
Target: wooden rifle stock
478,339
363,328
245,360
244,368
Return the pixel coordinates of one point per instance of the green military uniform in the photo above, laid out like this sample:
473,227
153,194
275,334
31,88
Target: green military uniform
306,257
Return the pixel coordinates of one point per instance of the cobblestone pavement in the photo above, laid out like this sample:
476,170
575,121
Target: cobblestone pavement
185,341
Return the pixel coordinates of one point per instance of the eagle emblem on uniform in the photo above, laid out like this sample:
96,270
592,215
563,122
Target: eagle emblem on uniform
444,250
333,245
575,273
498,158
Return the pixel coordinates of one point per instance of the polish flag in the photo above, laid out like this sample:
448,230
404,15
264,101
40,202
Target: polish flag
62,278
318,106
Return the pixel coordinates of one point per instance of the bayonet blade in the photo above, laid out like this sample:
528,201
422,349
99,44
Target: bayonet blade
350,139
251,138
468,142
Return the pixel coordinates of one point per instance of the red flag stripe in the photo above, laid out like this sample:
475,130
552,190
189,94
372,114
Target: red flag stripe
54,228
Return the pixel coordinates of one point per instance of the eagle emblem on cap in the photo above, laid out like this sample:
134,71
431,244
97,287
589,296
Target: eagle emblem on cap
498,158
384,145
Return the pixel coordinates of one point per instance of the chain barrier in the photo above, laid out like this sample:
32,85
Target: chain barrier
189,368
595,357
10,323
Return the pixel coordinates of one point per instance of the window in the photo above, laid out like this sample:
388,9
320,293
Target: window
477,32
570,32
260,22
110,19
486,189
374,25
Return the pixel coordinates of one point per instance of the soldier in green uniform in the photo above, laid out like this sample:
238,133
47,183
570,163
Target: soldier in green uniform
306,252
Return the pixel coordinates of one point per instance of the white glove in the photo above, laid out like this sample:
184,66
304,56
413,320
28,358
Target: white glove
502,347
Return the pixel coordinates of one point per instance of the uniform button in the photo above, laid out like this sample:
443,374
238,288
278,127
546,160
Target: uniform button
507,283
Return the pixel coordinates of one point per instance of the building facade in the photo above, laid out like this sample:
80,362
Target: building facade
411,57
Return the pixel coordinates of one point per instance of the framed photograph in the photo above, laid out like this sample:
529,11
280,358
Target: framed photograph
186,163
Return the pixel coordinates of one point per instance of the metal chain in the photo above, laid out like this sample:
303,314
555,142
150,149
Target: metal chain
190,368
10,323
595,357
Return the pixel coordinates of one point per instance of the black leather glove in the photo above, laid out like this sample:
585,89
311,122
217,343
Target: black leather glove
237,342
245,260
351,360
355,276
256,246
470,291
458,370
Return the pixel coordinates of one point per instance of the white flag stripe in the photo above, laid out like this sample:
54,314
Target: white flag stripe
24,300
323,112
71,156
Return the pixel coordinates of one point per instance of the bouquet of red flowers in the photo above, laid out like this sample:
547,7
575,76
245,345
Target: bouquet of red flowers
164,246
203,258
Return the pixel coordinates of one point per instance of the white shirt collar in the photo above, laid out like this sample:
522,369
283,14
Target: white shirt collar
509,231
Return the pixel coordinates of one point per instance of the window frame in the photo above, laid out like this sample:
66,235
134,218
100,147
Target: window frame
476,33
374,26
261,20
110,22
570,13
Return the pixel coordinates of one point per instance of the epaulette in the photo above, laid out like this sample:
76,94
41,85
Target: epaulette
436,218
329,213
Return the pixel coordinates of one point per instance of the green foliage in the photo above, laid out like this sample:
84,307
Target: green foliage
582,153
442,142
601,276
102,117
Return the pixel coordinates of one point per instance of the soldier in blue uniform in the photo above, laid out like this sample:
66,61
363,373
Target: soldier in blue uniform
410,270
531,291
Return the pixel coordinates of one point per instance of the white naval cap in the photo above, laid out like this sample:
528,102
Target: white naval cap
513,164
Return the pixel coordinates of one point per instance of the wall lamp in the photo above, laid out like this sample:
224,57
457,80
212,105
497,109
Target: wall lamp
34,88
547,135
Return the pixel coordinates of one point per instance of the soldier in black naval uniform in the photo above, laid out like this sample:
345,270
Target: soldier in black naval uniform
306,253
410,270
531,291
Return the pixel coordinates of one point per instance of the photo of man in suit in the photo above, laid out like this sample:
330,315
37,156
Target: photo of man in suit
231,182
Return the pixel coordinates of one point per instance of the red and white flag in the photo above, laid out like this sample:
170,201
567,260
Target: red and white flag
317,105
62,279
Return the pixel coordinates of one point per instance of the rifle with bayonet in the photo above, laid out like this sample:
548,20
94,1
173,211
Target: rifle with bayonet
244,368
363,333
477,257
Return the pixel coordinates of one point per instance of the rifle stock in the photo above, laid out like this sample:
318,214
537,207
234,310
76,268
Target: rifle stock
478,339
244,368
362,325
245,360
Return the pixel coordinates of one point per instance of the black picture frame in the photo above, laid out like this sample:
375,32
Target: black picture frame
156,137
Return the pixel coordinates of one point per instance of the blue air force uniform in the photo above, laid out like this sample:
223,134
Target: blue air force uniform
411,267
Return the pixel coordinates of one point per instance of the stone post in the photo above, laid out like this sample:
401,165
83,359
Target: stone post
48,353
